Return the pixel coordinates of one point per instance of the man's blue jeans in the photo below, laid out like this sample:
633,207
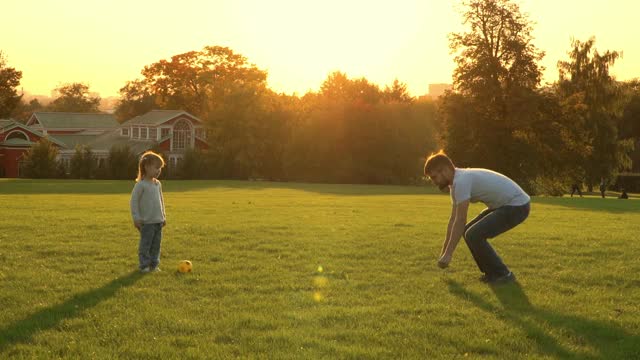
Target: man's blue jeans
149,249
489,224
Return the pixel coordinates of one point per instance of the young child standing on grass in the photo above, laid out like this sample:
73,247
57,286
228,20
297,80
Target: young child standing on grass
147,210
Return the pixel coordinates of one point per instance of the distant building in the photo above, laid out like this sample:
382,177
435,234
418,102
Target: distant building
173,131
437,90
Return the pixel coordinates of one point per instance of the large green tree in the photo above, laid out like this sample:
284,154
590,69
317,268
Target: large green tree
497,117
24,110
629,125
193,81
495,57
247,122
496,73
351,131
397,92
585,77
248,130
9,81
75,97
135,99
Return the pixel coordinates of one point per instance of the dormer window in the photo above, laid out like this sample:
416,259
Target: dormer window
143,133
125,132
164,132
17,135
153,133
135,133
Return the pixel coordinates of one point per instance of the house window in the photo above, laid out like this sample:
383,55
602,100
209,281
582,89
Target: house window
143,133
136,133
181,135
164,132
125,131
153,133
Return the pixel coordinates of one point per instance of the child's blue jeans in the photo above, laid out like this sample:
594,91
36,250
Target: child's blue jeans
149,248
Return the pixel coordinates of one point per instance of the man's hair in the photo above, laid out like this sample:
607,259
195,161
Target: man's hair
437,161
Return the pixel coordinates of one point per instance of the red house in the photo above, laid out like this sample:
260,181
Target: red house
15,140
174,131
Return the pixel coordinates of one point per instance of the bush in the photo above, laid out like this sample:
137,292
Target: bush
547,186
61,170
193,165
40,160
102,169
122,163
83,163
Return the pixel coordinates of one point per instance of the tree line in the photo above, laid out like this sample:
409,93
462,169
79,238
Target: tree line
580,129
350,131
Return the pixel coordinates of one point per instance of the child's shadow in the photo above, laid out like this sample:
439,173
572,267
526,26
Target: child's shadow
23,330
607,340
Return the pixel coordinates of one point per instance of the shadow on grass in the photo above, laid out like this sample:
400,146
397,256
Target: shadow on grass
56,186
607,340
609,204
23,330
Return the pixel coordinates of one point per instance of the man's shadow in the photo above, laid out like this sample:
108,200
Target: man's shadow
22,330
606,339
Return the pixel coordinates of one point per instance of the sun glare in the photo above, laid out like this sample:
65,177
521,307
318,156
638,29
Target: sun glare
298,42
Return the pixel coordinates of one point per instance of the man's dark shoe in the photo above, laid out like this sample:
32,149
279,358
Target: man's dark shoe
486,278
503,279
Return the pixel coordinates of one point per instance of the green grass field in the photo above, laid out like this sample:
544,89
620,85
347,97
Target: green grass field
69,286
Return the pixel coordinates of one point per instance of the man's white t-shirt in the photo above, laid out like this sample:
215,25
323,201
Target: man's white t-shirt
489,187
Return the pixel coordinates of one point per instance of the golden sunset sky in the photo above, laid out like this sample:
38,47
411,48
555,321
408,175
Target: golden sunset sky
105,43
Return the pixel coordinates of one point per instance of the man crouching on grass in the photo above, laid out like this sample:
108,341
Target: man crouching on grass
507,206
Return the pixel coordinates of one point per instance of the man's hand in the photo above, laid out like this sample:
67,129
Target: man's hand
444,261
164,223
137,224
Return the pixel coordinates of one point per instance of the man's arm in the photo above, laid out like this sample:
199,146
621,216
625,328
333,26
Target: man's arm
457,230
452,218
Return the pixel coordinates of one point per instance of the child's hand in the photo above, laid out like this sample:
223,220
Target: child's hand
137,224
